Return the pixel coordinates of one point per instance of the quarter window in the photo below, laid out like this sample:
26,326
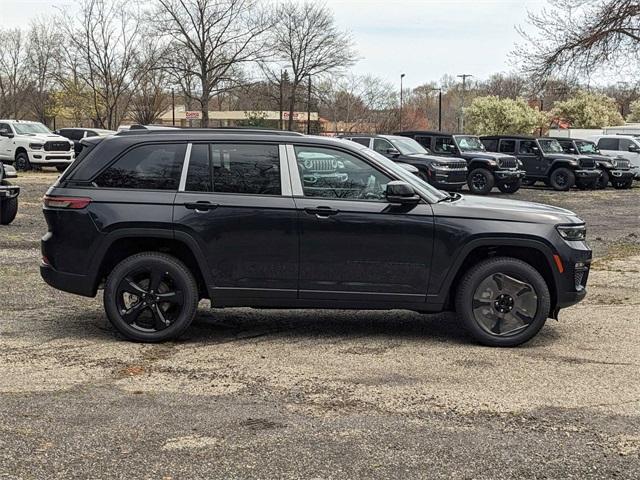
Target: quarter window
507,146
329,173
234,168
152,167
608,144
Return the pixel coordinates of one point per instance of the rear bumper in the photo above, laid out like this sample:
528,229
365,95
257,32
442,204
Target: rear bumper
67,282
509,176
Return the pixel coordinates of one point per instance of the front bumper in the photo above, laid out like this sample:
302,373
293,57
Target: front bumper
509,176
43,157
571,284
9,191
621,174
447,178
587,175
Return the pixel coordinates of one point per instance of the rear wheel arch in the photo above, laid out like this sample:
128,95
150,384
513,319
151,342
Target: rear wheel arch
125,246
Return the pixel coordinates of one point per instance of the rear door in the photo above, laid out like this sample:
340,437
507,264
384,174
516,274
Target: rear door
610,147
354,246
235,201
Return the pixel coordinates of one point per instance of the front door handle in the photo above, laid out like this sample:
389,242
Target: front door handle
322,211
201,206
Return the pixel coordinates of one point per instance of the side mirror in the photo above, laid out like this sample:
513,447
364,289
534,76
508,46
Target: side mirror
393,151
634,148
6,133
401,193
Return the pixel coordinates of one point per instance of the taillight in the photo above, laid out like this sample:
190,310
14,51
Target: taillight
75,203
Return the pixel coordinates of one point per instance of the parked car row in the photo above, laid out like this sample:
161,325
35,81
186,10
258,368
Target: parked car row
449,161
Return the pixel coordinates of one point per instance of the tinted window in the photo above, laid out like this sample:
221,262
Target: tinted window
625,143
507,146
567,147
75,134
249,169
527,147
199,174
381,145
361,141
424,141
91,133
444,145
4,126
154,167
331,173
608,144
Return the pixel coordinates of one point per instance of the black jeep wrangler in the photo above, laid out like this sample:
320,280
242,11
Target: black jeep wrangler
162,219
545,160
8,195
616,171
445,173
486,169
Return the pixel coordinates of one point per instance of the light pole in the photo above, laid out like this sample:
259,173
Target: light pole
309,108
464,77
439,90
401,77
173,107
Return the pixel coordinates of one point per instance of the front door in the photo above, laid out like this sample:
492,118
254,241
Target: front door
531,157
235,200
6,143
354,246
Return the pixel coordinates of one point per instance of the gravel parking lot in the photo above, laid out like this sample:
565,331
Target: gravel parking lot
321,394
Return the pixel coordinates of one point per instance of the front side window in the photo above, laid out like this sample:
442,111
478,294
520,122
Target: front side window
27,128
625,143
528,147
444,145
550,146
381,145
507,146
234,168
151,167
424,141
329,173
588,148
608,144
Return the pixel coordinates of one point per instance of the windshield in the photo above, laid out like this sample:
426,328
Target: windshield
468,143
550,146
408,177
407,146
30,128
587,147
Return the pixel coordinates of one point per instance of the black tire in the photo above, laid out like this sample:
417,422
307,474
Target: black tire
562,179
174,282
22,162
512,187
622,184
480,181
422,176
592,185
8,210
529,182
61,168
513,270
603,181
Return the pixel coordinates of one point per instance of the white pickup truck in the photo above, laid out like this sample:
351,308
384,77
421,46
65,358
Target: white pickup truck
27,144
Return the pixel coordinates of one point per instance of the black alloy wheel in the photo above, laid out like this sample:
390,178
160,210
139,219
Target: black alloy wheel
151,297
503,302
622,184
562,179
22,162
480,181
512,187
603,181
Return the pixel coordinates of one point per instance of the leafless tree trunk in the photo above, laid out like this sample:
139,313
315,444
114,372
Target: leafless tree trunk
306,39
13,73
209,42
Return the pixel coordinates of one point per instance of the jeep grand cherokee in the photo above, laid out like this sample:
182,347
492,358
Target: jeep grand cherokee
162,219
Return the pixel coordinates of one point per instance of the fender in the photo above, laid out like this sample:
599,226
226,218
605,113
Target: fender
439,296
482,163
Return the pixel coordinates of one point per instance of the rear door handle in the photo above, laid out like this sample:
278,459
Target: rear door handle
322,212
201,206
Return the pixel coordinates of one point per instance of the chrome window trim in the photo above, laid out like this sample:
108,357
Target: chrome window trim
185,168
294,173
286,189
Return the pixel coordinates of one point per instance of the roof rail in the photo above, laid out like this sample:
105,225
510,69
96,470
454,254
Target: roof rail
149,129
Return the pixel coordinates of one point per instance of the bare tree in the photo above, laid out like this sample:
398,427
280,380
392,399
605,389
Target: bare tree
43,56
150,99
305,39
104,38
13,73
209,41
576,38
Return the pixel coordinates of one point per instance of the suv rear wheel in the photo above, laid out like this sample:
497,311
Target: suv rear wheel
562,179
151,297
512,187
623,184
480,181
503,302
8,210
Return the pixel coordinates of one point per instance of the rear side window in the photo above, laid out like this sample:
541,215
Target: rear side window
424,141
567,147
443,145
608,144
234,168
361,141
150,167
507,146
490,144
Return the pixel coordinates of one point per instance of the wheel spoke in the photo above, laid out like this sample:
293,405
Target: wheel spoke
155,279
131,314
159,320
175,297
129,286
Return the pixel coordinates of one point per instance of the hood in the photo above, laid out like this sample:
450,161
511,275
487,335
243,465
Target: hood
44,137
433,158
489,208
487,155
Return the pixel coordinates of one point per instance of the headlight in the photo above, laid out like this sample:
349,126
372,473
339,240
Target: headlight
36,146
70,145
493,163
439,166
520,164
572,233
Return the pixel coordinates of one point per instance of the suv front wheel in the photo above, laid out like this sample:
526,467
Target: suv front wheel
151,297
562,179
503,302
480,181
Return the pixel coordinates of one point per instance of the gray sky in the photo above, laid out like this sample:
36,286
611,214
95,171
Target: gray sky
424,39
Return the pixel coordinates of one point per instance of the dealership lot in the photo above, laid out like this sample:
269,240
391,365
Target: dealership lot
326,394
